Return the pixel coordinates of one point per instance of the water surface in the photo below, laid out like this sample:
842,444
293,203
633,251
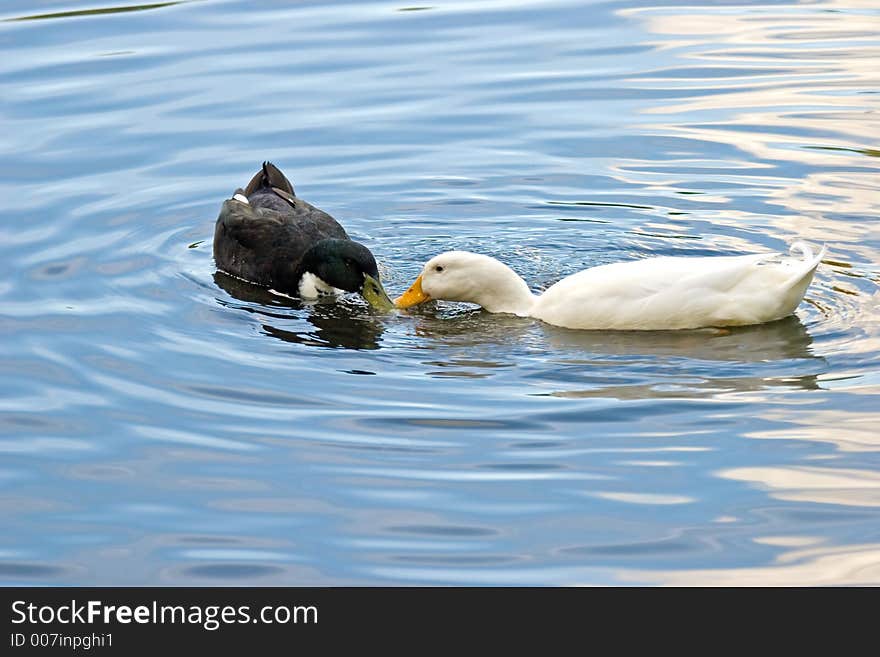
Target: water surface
165,424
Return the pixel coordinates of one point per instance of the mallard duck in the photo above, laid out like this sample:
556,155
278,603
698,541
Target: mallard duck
654,293
266,235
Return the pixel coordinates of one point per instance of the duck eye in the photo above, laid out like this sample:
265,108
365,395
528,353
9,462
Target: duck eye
438,268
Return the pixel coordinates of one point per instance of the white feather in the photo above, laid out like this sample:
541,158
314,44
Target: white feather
312,287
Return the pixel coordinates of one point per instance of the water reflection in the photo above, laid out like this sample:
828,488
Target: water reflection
784,339
790,114
821,485
624,364
850,565
464,325
689,364
340,323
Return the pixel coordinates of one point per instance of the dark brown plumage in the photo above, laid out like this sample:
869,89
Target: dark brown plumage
273,239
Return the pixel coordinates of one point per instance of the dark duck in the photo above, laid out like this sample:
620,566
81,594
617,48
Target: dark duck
268,236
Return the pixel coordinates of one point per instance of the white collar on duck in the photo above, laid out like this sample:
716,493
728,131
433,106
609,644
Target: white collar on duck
312,287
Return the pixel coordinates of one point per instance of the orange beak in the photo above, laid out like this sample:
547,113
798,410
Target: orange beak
413,296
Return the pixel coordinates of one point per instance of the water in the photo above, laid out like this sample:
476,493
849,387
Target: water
164,424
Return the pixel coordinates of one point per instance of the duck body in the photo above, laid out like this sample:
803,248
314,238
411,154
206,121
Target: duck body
651,294
267,236
679,293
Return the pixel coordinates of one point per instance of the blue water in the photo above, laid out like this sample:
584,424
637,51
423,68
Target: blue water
165,425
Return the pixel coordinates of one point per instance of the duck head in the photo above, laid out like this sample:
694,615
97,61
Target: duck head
345,265
472,277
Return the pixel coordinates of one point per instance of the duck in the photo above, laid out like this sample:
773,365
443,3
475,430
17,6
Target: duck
267,236
658,293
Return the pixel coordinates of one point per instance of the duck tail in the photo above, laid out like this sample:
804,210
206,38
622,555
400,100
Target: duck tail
800,280
269,177
803,249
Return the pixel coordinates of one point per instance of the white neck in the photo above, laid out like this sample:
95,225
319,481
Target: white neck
501,290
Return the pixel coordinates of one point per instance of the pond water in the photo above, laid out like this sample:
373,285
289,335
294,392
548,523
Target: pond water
165,424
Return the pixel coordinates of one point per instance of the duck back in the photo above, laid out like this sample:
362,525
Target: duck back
680,292
263,240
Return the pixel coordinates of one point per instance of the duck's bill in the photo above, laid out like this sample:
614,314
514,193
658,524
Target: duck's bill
376,295
413,296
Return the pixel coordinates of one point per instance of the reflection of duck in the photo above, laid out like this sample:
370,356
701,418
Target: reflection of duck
266,235
784,339
335,324
651,294
696,363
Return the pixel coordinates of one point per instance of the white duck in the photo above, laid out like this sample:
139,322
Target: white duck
650,294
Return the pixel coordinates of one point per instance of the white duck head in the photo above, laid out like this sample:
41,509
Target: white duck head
471,277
